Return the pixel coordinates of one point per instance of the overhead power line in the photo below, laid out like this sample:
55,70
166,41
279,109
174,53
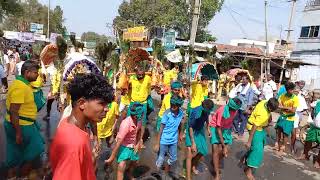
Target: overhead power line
235,20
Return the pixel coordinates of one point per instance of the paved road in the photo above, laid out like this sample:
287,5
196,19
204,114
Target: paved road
274,167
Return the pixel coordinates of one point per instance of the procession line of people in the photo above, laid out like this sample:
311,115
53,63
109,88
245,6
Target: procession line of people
120,118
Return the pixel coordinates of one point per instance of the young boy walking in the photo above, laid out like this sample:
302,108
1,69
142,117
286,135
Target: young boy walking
257,122
170,131
176,89
196,141
220,129
288,104
128,142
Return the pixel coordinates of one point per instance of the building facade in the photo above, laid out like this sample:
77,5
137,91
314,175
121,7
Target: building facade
307,48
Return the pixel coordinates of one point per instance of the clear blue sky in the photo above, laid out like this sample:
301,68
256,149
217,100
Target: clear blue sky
92,15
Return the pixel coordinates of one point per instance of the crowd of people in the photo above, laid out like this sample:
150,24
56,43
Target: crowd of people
119,118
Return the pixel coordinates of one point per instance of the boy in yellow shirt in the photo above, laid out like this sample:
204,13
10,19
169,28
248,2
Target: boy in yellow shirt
124,103
106,128
288,104
167,79
55,87
257,122
199,92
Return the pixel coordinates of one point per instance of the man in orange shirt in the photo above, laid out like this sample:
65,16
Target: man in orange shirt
70,151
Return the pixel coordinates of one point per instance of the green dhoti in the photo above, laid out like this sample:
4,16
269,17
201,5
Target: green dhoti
313,134
255,154
158,123
285,125
189,109
226,134
200,140
127,154
31,148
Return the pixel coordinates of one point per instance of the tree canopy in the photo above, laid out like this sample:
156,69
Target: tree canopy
94,37
168,14
34,12
10,7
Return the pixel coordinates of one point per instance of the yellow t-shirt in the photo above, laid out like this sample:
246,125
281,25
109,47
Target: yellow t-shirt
55,81
22,93
222,79
39,82
167,77
287,101
174,74
104,127
198,94
140,90
165,104
125,99
259,117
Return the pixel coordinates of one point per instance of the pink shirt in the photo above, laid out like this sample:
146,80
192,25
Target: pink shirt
128,132
70,154
216,119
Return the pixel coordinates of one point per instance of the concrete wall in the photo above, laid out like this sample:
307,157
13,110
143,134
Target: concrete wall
309,18
310,74
308,44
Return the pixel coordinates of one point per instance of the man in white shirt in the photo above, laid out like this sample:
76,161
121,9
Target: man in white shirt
269,88
4,70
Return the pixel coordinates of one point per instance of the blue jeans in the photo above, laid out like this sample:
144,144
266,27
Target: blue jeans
171,150
240,122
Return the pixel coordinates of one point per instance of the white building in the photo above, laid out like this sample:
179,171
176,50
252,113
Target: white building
307,47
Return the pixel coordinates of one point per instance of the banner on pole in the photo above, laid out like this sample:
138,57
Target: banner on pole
135,34
170,40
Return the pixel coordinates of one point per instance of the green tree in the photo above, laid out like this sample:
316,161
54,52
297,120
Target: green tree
158,49
103,52
10,7
175,14
34,12
94,37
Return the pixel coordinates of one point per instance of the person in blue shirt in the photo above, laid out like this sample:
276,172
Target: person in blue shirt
282,90
196,141
170,131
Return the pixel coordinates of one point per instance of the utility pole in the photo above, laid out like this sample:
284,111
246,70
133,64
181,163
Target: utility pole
195,20
193,34
284,62
48,31
267,60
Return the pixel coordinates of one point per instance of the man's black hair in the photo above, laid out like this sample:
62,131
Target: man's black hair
28,66
289,86
90,87
273,104
204,77
208,104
